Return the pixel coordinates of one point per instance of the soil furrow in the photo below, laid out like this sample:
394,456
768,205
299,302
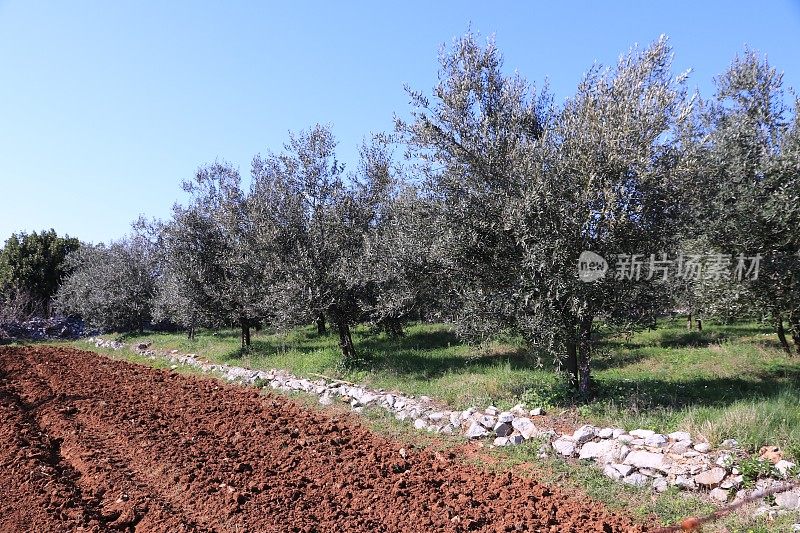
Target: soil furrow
150,450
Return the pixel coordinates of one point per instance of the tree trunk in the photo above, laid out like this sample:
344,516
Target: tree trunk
321,329
794,320
689,322
571,362
585,355
782,334
245,332
346,341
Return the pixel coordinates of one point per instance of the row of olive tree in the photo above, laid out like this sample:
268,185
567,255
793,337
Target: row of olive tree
483,226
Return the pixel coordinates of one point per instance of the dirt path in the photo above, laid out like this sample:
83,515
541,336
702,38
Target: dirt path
92,444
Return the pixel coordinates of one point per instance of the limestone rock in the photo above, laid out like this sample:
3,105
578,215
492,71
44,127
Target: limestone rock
605,451
635,479
487,421
679,436
642,433
719,494
702,447
643,459
515,440
501,441
789,499
584,434
605,433
612,472
476,431
525,426
710,478
564,446
505,416
783,466
656,440
684,483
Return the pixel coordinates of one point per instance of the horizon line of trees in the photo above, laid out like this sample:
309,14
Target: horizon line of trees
482,221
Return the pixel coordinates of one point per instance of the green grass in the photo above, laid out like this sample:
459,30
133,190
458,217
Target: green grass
729,381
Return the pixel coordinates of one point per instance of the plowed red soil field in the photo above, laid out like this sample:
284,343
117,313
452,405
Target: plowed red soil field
92,444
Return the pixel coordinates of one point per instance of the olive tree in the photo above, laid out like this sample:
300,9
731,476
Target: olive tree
526,187
321,219
214,271
110,286
752,163
468,139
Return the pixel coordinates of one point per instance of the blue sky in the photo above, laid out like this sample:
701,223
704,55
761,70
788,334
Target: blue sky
105,107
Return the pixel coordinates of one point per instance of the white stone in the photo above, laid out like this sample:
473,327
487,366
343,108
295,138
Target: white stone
702,447
684,482
537,411
679,436
603,451
710,478
719,494
420,423
525,426
660,484
612,472
487,421
732,482
635,479
584,434
617,432
501,441
564,446
505,416
624,470
476,431
643,459
492,410
730,443
605,433
788,500
656,440
325,399
642,433
783,466
681,446
437,416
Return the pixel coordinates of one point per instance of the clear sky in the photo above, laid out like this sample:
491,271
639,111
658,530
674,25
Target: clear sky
105,107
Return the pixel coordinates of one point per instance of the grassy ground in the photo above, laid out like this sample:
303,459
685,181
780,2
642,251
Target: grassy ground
730,381
583,478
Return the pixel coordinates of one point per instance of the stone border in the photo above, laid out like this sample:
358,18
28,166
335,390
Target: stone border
639,457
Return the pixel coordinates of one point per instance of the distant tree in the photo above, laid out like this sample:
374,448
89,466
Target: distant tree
111,286
752,166
31,269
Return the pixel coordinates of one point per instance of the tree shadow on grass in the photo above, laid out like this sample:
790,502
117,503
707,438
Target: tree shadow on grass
699,392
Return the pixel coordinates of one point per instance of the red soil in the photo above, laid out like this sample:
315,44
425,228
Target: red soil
92,444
